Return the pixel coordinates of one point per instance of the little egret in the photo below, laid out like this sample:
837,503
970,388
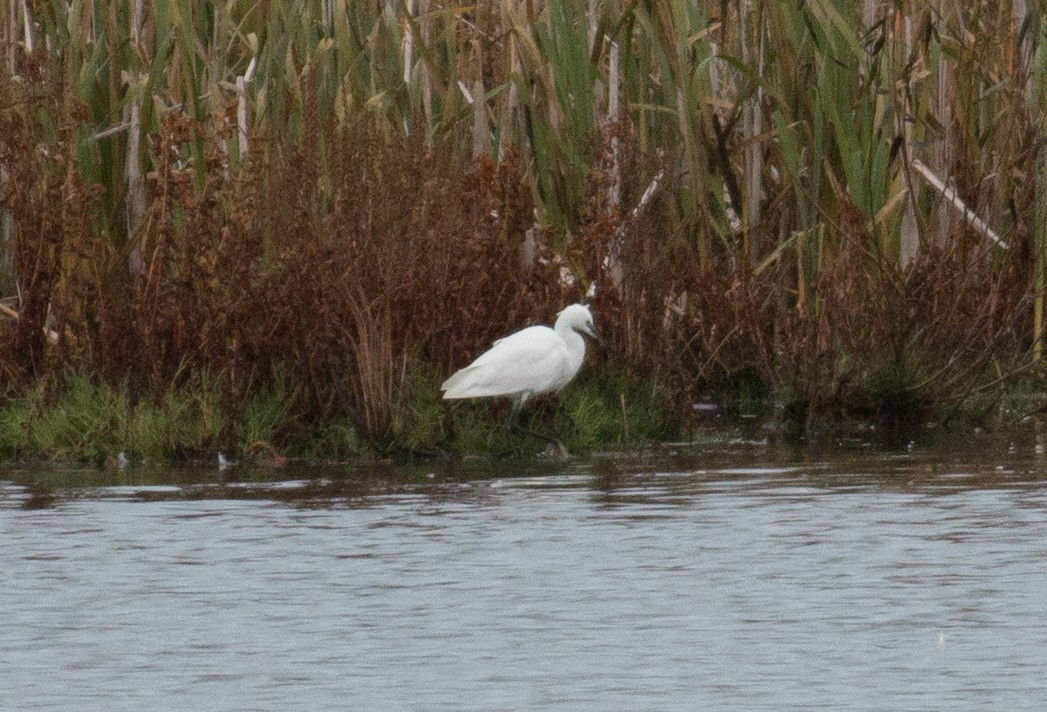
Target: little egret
528,363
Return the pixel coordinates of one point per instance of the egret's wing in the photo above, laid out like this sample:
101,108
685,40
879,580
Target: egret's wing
530,361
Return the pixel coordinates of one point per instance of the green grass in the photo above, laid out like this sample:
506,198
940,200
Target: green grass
594,412
266,413
89,422
417,419
14,415
612,412
92,422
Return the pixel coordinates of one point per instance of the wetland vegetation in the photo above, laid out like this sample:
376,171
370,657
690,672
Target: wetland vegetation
251,226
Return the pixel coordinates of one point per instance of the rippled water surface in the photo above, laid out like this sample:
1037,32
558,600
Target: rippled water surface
736,578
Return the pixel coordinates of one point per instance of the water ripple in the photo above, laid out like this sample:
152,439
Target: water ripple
877,583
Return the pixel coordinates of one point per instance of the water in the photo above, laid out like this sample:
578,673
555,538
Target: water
737,578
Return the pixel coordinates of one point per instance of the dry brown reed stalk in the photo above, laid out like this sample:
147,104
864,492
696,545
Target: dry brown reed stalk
874,339
49,207
394,259
374,372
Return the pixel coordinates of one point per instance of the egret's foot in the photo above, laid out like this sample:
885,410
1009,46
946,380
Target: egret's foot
556,450
554,447
520,431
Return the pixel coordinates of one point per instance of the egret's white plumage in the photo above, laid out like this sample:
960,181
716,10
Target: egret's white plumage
530,362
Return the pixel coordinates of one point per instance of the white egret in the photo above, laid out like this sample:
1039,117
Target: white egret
528,363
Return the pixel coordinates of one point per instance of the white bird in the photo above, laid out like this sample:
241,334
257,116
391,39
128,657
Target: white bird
528,363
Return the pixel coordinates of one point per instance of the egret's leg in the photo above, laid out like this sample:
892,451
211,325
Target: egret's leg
515,428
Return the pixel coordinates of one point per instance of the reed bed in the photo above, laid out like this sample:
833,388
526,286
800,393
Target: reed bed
836,204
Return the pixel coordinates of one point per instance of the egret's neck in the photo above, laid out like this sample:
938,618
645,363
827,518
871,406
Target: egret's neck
575,343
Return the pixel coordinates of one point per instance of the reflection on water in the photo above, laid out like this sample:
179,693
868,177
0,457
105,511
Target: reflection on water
740,579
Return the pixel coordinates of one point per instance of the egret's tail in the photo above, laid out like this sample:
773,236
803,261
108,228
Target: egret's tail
471,382
456,386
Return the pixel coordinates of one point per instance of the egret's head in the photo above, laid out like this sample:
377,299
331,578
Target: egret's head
578,318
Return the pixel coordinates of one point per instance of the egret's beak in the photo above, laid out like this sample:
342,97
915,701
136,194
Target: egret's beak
591,331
